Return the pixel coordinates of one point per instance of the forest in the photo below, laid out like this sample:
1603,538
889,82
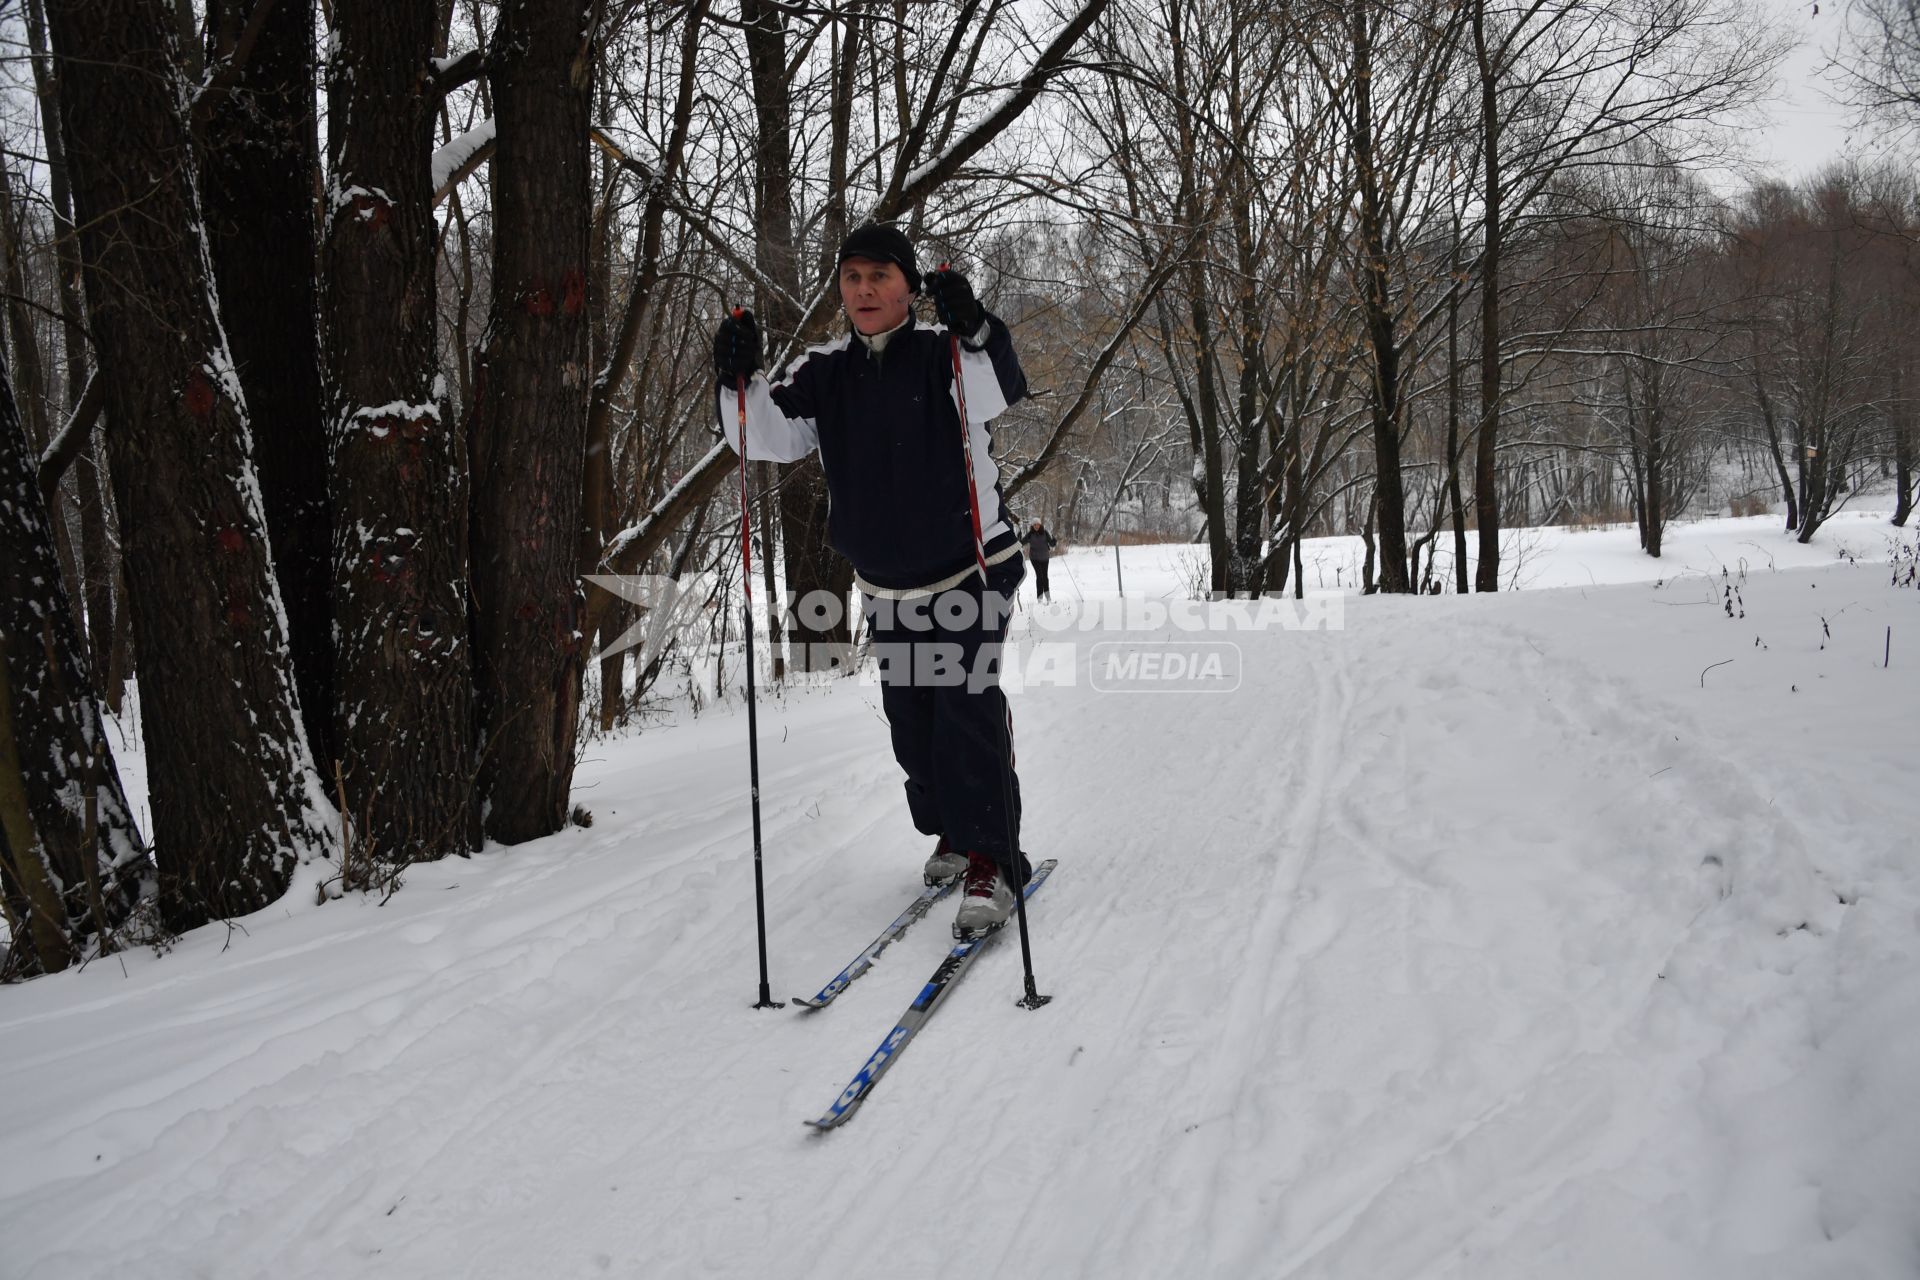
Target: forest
346,340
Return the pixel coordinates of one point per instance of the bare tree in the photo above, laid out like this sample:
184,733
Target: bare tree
1656,337
918,171
1878,65
1562,86
1387,75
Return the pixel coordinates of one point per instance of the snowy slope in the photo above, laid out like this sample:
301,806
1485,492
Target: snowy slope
1477,939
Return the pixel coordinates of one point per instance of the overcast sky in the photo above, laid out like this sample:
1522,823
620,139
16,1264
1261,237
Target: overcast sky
1808,129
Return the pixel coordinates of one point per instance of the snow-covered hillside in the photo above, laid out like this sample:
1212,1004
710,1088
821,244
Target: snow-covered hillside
1565,933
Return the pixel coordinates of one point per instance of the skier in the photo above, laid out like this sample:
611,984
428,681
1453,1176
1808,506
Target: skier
1039,548
879,403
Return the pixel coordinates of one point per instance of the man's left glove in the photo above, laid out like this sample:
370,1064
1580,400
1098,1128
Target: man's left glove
954,303
736,348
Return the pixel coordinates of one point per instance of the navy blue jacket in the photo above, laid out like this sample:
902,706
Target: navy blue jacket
887,426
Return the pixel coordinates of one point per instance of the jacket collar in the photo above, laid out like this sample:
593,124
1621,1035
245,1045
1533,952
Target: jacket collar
877,343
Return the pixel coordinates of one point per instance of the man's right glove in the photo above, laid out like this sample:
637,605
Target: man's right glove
736,347
954,303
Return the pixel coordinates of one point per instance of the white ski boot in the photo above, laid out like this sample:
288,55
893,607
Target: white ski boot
945,864
987,901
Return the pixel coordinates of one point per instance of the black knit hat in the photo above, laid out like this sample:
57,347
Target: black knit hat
879,243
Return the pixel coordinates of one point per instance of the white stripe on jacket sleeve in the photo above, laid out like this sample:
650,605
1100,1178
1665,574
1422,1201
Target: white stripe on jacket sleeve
985,402
771,435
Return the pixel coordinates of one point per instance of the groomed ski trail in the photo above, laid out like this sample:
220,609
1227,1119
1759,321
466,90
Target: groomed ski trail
1466,942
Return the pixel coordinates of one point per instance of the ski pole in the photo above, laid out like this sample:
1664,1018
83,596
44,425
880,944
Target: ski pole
766,1000
1033,999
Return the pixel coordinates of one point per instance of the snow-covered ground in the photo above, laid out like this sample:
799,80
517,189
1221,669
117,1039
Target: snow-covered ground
1563,933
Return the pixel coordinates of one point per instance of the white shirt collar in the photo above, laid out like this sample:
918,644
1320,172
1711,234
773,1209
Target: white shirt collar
877,342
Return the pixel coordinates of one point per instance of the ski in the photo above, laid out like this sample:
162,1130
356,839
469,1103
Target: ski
963,954
864,961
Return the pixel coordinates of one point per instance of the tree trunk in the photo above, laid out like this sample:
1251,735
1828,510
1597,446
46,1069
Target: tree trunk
1368,584
25,347
1486,476
530,419
99,563
846,66
402,706
597,491
1656,491
812,565
65,885
611,370
1454,503
1816,498
1903,419
1772,423
261,150
1249,506
1382,338
234,793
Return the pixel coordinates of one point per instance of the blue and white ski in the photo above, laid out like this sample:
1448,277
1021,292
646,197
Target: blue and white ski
963,954
864,961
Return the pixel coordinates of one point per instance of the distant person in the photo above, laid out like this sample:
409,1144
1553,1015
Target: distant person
1039,550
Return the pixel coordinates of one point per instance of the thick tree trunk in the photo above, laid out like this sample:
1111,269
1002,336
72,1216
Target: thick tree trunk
530,425
402,660
260,149
68,878
235,797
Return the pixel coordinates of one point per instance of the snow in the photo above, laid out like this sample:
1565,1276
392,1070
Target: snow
448,159
1481,937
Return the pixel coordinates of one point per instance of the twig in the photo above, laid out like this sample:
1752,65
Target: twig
1709,667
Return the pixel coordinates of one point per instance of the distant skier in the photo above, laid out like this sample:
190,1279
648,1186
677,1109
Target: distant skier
1039,550
879,404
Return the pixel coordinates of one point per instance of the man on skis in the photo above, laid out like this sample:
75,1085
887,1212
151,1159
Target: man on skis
880,405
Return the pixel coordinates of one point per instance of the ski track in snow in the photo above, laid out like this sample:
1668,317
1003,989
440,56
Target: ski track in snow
1474,940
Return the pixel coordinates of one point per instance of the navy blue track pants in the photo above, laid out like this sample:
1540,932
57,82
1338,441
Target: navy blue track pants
940,687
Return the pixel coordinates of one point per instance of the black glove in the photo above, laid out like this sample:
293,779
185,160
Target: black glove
736,347
954,303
